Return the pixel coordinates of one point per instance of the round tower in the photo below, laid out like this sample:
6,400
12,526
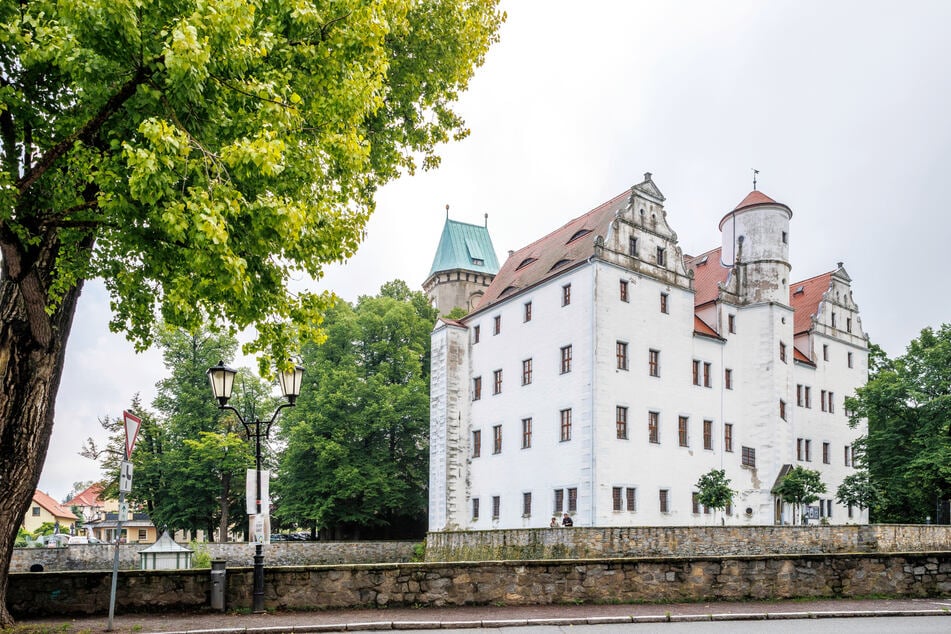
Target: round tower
755,240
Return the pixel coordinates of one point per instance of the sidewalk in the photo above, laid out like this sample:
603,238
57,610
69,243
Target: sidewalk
483,616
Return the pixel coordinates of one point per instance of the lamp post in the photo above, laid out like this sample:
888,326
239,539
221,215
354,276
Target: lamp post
221,378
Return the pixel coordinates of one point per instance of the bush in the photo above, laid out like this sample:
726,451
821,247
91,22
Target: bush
200,556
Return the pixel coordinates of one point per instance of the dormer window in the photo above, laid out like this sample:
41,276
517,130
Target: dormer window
478,261
524,263
578,234
559,264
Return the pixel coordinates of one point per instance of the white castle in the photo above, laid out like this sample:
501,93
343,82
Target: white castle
600,372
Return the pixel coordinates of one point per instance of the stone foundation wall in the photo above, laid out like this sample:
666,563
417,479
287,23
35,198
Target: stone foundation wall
99,556
681,541
513,583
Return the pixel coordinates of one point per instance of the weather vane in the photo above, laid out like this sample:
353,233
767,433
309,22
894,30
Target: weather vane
755,172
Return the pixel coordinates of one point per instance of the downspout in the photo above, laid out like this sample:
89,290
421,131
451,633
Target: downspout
593,383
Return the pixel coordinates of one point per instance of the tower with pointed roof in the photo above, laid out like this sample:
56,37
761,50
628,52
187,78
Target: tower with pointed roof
603,372
463,268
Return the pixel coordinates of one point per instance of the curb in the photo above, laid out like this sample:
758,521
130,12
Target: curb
371,626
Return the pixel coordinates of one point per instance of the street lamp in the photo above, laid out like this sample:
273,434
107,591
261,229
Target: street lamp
221,378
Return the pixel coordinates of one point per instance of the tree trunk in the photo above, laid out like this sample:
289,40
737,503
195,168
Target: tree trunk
32,349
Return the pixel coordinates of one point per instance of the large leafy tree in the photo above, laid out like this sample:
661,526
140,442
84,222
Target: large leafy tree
907,452
356,456
196,155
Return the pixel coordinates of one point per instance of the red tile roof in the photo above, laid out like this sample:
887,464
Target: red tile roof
806,301
799,355
89,497
754,199
541,256
700,327
708,271
51,505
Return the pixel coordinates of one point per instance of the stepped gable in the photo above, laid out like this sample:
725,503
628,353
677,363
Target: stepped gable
566,246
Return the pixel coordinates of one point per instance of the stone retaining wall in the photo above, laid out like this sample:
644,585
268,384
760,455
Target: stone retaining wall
513,583
681,541
99,556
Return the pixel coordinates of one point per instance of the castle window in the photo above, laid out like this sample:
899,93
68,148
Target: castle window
664,308
708,434
825,352
663,498
682,422
782,352
475,509
799,395
653,427
578,234
661,256
496,506
621,352
477,388
748,457
623,290
475,334
782,409
807,391
706,375
526,433
572,500
831,404
728,378
849,358
477,443
731,323
566,359
497,324
785,238
497,439
695,502
497,382
833,319
631,495
566,294
696,372
565,425
848,455
527,504
559,501
848,324
799,449
526,371
621,422
616,498
728,437
527,312
632,246
653,363
825,453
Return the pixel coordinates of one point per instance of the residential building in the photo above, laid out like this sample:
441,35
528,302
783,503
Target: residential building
45,509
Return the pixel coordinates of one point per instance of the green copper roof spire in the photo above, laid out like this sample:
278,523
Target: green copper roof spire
467,247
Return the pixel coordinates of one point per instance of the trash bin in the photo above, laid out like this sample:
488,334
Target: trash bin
218,584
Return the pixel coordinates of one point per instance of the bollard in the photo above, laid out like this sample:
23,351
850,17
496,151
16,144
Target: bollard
218,584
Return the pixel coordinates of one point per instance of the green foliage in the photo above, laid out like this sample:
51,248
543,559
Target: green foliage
356,455
799,487
201,558
907,452
212,150
457,313
858,490
714,489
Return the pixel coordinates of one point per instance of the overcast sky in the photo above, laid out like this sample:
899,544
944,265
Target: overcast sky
843,107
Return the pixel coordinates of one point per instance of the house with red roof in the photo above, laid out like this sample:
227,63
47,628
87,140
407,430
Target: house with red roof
44,509
603,371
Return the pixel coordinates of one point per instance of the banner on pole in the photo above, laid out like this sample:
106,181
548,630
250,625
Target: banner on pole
132,424
251,486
